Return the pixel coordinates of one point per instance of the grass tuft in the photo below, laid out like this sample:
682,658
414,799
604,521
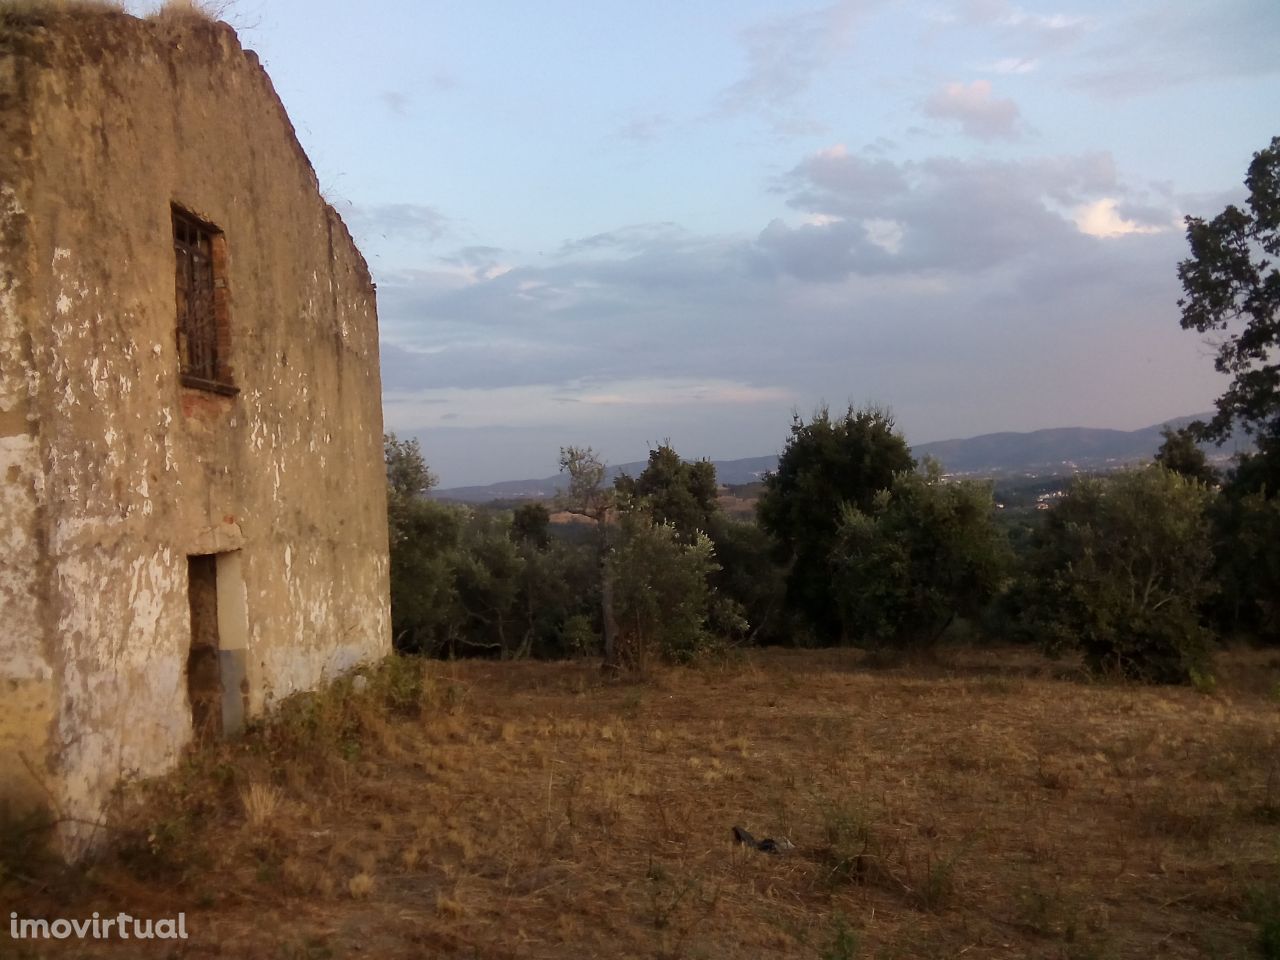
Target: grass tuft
261,802
360,886
844,943
207,10
1264,911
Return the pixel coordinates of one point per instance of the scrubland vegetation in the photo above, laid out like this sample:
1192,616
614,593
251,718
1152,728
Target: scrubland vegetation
1144,573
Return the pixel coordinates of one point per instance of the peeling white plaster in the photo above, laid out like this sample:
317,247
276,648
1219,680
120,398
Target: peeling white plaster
20,498
18,380
123,708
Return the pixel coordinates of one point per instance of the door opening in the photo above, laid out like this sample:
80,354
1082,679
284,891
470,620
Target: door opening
217,667
204,678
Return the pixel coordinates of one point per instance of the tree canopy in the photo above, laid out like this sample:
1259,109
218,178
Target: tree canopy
407,473
925,553
586,494
828,462
1181,454
1121,570
675,492
1231,283
1232,291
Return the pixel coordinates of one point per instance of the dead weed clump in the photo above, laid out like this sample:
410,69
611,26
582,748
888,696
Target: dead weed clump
206,10
859,848
25,844
246,800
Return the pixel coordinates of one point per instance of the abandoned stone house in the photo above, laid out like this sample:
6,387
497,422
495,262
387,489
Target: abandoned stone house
193,513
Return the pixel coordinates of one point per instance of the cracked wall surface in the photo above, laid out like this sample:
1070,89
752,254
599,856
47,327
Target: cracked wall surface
113,472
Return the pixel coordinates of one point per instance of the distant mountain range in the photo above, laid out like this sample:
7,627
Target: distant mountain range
727,471
1062,450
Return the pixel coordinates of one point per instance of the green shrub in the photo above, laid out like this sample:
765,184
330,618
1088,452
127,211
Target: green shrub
1121,570
1264,910
1247,558
579,636
828,461
844,944
750,577
925,552
26,837
662,597
850,842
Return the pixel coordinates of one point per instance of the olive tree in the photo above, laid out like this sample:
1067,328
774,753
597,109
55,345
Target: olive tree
423,540
675,492
588,496
925,552
1121,570
828,462
662,594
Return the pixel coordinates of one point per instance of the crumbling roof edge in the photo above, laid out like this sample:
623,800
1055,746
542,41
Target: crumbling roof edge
62,18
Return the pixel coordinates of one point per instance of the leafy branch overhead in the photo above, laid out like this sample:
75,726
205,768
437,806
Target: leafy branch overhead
1232,286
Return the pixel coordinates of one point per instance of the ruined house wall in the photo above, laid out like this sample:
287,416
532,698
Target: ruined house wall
116,472
26,686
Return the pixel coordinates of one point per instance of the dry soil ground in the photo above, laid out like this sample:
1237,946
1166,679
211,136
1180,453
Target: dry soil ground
988,805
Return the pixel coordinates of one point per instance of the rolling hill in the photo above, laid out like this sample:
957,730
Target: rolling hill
1061,450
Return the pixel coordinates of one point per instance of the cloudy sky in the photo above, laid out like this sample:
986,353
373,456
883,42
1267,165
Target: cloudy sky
613,223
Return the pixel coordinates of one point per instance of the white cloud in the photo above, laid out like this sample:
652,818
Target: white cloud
643,129
1042,31
979,114
885,234
906,283
395,101
1102,219
548,404
1053,22
1012,65
820,219
679,392
941,213
1152,47
415,220
635,238
783,57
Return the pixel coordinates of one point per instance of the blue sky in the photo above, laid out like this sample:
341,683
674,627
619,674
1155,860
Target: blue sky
615,223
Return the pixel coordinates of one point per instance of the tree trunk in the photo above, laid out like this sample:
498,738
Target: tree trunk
606,611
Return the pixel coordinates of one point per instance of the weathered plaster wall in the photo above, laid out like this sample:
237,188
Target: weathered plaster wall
26,675
121,472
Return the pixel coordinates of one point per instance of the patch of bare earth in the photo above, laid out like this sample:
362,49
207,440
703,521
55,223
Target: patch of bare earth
984,806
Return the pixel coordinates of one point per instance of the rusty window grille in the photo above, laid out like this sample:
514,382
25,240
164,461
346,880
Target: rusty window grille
201,327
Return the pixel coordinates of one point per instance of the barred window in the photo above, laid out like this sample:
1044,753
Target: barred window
203,328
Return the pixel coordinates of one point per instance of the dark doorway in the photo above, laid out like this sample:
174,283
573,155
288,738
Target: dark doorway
204,680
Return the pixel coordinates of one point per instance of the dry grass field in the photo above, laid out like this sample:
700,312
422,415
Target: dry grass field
988,804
